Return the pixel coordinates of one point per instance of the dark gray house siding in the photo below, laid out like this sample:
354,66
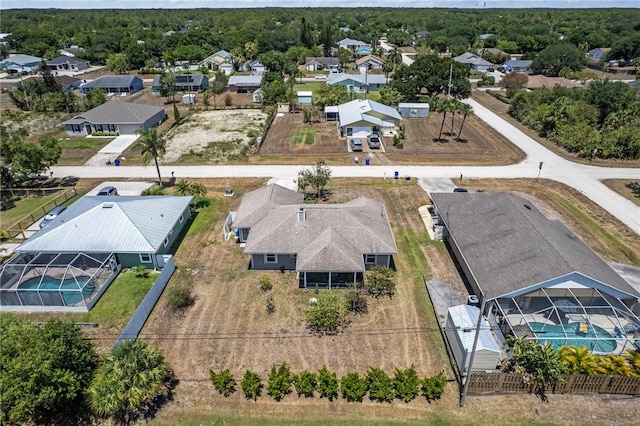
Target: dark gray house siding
286,261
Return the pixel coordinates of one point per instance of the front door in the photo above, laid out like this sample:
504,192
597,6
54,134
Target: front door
88,128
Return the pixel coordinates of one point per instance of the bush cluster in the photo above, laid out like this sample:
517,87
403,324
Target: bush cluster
405,385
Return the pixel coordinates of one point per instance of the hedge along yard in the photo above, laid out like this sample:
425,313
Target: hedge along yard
228,327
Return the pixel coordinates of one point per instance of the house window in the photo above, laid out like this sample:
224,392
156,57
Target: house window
166,241
181,217
270,258
349,131
145,258
75,128
370,258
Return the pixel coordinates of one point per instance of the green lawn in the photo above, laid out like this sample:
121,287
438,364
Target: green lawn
22,209
119,302
83,143
313,87
303,134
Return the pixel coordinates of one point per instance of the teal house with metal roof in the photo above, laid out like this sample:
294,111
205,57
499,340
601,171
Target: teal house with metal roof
70,263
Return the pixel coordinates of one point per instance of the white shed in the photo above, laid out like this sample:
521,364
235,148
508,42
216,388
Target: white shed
413,109
189,99
462,321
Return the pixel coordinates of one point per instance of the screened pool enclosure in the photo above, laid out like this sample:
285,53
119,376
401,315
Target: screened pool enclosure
570,316
55,281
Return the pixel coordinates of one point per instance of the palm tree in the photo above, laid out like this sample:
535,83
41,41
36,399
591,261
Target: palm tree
131,376
152,146
579,360
465,110
443,106
182,187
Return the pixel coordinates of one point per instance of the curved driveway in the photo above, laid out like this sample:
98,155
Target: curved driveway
583,178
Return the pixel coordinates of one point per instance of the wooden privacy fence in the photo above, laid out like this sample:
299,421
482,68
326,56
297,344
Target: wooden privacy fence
573,383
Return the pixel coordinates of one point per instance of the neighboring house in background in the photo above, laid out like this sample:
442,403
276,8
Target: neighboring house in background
358,83
353,45
71,51
21,63
473,61
484,36
254,66
369,62
539,81
599,52
314,63
221,60
537,278
326,244
421,33
183,83
68,63
517,66
114,85
362,117
345,29
125,118
413,109
244,83
493,51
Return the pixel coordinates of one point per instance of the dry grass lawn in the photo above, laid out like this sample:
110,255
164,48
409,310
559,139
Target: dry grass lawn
228,326
620,186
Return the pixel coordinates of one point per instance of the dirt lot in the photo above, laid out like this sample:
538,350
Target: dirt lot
214,127
228,326
480,144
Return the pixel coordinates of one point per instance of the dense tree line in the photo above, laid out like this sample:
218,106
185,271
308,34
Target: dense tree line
601,120
51,374
148,35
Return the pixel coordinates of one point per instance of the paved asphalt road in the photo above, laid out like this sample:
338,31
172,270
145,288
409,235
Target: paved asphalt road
584,178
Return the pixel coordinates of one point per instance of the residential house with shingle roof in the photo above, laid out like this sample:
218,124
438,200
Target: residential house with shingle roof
351,44
369,62
125,118
358,83
183,83
326,244
474,61
68,63
120,85
221,60
534,276
315,63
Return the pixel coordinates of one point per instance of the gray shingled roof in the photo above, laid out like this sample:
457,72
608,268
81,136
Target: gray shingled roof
255,205
510,245
110,224
67,60
332,237
117,113
107,81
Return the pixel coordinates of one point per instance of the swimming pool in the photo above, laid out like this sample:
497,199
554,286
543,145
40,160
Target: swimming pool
73,290
596,338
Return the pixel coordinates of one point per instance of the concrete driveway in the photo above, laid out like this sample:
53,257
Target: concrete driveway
119,144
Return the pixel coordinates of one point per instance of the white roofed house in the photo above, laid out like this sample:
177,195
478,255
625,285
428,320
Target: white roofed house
327,245
67,265
366,116
358,83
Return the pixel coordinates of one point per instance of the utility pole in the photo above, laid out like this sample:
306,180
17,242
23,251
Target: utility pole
463,395
450,84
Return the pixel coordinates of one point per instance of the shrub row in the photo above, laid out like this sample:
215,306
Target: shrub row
405,385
